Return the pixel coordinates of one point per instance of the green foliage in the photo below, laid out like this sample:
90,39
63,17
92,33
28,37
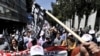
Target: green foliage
66,9
50,20
63,10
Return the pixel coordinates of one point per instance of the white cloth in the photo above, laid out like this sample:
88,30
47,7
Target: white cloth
87,37
36,50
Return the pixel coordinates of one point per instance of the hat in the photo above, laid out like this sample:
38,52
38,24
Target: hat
87,37
91,32
1,35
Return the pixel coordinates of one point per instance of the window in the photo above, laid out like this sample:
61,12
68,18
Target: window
1,10
7,12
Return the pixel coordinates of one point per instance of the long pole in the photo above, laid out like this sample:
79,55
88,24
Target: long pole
63,25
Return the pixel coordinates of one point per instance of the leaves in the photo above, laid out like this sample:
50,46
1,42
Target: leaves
65,9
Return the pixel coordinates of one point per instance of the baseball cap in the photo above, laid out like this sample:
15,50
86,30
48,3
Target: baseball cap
91,32
87,37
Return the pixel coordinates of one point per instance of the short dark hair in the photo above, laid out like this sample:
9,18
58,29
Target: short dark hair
34,41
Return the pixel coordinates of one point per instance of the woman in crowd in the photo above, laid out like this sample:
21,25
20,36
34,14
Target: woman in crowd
15,47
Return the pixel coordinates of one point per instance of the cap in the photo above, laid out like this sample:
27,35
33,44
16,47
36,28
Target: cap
87,37
91,32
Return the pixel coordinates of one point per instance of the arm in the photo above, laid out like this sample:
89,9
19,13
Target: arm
90,48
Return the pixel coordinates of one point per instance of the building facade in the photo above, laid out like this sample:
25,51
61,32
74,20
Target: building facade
13,14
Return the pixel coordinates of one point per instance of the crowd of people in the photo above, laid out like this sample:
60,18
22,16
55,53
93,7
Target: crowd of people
53,36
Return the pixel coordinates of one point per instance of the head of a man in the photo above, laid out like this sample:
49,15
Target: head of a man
29,33
34,41
48,40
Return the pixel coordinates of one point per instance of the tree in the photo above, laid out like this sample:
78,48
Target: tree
63,9
90,6
52,22
66,9
84,7
80,5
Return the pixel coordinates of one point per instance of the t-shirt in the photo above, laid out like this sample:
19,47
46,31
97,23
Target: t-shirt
36,50
57,41
26,39
64,36
41,41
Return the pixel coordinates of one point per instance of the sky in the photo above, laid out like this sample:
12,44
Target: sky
46,4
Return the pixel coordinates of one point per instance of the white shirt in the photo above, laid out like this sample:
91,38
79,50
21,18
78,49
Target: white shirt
41,41
57,41
26,39
36,50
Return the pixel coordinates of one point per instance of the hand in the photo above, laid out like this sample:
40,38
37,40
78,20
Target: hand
89,47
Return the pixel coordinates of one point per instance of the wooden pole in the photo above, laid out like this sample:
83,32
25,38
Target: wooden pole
63,25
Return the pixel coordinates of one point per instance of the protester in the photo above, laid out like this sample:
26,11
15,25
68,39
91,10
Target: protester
3,44
42,38
25,38
71,43
29,34
81,32
64,35
15,46
92,33
29,38
86,36
53,32
36,50
48,43
57,40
